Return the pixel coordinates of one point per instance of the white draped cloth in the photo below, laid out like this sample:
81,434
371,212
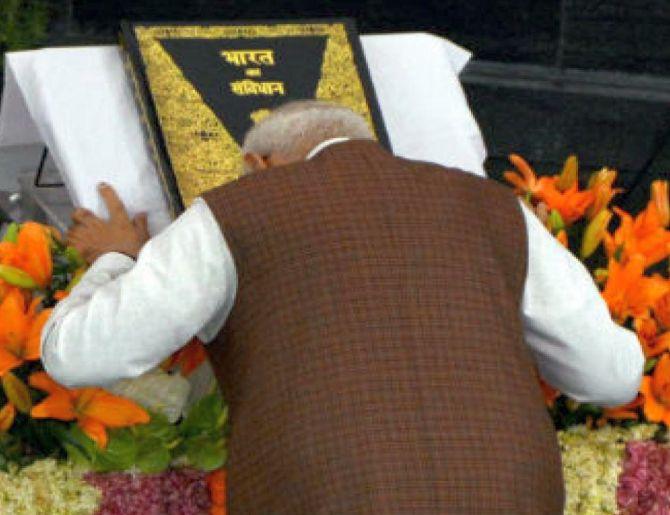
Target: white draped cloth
79,103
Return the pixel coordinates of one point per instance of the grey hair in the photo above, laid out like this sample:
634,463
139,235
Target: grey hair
300,125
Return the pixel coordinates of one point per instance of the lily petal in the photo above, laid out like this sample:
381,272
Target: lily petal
8,361
653,410
42,381
7,415
35,252
13,319
57,405
111,410
95,430
32,347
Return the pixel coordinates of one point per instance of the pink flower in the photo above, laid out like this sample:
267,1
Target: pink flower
175,491
644,483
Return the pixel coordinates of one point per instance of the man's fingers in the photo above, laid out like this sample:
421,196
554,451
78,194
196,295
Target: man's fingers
74,240
76,236
82,215
114,205
141,224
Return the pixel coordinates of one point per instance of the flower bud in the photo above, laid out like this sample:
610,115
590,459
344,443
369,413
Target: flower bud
555,222
7,414
568,177
17,277
595,232
17,392
600,184
659,196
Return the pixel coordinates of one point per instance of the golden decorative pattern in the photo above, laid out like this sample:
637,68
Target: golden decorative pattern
202,152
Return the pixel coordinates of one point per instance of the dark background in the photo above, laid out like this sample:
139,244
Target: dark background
550,78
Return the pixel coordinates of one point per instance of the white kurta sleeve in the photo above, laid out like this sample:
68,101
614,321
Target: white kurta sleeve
579,349
124,318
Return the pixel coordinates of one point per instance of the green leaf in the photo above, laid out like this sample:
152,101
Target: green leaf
152,456
120,453
12,233
590,409
650,364
17,277
159,429
208,415
75,260
79,447
206,453
10,447
23,23
555,221
78,458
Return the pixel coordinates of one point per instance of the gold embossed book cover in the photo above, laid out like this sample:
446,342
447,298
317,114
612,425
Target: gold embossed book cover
201,85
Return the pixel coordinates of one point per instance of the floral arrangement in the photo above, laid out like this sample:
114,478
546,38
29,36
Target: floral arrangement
97,431
592,462
629,264
610,463
91,450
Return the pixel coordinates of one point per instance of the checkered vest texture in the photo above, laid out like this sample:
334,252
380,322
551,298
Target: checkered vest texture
374,360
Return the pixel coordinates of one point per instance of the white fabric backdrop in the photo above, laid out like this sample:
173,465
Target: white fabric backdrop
79,102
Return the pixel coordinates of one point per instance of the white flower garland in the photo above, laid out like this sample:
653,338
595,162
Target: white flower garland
592,462
47,487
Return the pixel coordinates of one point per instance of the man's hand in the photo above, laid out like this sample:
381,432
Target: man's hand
92,236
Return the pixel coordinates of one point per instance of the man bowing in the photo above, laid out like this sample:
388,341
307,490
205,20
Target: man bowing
374,323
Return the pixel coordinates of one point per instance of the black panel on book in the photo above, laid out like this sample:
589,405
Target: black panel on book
298,65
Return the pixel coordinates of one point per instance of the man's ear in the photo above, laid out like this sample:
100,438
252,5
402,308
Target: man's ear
256,161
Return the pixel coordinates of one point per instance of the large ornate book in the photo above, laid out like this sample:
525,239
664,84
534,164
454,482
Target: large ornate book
201,86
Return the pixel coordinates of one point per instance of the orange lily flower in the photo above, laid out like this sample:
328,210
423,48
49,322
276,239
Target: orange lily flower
601,185
94,409
549,392
659,196
216,482
662,311
4,289
656,391
524,178
571,203
625,412
628,292
19,330
653,342
31,252
562,238
61,294
7,415
188,358
643,235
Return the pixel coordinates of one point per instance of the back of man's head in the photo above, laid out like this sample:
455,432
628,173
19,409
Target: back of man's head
289,132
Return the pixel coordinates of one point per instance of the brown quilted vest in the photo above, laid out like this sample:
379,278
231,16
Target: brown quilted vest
374,360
